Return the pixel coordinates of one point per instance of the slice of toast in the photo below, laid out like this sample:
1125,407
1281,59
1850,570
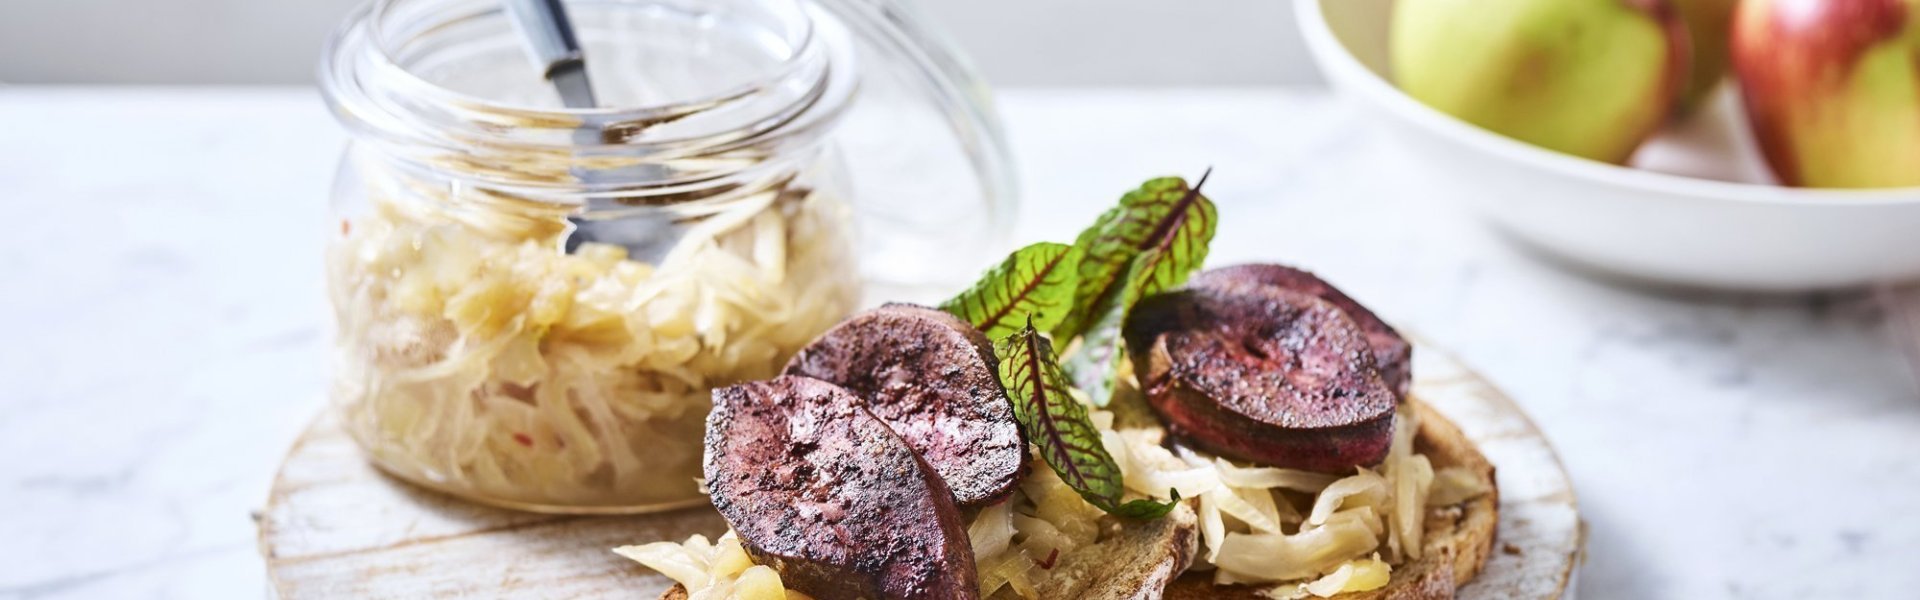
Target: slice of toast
1137,560
1457,542
1134,561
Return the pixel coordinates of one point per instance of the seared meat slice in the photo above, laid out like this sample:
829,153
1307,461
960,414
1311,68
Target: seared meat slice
1263,374
931,377
827,495
1392,355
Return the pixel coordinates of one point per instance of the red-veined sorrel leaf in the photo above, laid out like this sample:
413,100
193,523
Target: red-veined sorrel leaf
1163,229
1036,282
1059,426
1097,363
1162,214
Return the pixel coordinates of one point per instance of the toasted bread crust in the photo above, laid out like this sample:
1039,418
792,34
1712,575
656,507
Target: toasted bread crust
1466,530
1459,538
1135,561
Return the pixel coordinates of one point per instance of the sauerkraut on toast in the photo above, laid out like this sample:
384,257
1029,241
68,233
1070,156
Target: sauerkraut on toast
1018,543
1249,433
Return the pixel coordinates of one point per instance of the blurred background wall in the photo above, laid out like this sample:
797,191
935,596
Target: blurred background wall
1015,42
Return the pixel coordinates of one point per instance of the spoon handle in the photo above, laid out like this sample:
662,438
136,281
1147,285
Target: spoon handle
551,41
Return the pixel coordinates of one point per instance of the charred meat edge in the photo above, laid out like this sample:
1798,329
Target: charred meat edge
1262,374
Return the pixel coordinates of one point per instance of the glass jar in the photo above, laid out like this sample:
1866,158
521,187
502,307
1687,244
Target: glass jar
533,303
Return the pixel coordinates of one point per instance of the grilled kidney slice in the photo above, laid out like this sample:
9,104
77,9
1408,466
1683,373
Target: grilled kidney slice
1392,355
1264,374
823,492
931,377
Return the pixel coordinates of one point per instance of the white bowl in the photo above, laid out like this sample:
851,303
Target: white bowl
1642,224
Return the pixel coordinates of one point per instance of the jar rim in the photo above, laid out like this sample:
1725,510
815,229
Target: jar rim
376,97
381,11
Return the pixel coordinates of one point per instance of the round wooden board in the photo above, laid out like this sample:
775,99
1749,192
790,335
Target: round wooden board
336,527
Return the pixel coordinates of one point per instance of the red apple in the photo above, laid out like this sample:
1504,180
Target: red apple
1832,88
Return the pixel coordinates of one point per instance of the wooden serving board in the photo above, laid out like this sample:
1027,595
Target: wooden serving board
335,527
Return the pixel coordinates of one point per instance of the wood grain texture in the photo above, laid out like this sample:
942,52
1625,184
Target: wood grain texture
1541,540
335,526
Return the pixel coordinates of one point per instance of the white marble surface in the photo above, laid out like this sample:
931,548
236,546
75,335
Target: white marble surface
160,289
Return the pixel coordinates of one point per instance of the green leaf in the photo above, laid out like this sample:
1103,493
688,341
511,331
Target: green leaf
1037,281
1161,214
1097,363
1180,248
1059,426
1146,509
1054,422
1105,254
1163,229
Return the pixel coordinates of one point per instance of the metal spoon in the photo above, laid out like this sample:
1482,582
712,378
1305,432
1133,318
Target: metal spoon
555,49
647,235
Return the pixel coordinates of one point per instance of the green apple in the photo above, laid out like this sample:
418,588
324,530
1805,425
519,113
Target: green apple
1591,78
1708,22
1832,89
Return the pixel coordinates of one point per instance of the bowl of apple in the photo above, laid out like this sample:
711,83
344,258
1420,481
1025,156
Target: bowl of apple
1768,145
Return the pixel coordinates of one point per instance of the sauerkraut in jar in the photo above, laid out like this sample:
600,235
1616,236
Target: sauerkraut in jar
478,358
493,340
